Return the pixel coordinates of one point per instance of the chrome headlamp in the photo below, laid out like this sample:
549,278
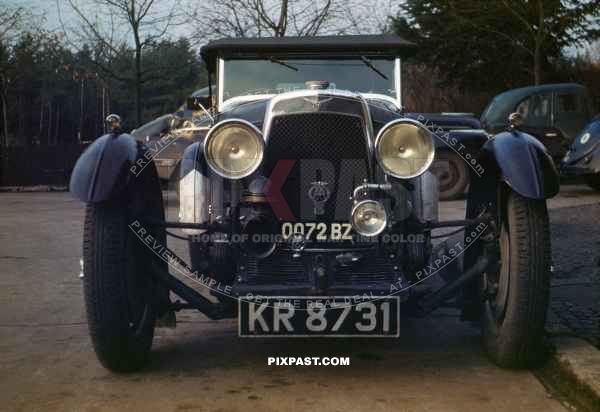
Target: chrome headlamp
369,218
234,148
404,148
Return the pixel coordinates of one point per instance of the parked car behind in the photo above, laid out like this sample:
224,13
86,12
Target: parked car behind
167,153
460,138
552,113
583,158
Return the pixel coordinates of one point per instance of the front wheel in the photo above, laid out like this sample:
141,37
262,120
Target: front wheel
117,289
516,291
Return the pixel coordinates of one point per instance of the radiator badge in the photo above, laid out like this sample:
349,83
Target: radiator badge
319,193
317,101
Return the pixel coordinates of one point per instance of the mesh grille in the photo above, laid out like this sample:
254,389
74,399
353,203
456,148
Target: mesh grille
279,268
328,147
282,269
371,269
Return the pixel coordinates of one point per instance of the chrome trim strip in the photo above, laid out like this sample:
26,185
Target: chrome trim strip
468,130
224,123
377,96
398,80
244,99
220,82
193,129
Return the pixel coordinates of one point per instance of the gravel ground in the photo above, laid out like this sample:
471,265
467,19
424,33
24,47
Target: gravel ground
576,257
48,364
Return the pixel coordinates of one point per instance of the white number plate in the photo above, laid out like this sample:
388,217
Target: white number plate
324,316
317,231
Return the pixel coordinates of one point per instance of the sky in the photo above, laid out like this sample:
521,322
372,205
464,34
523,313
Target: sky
49,11
373,12
53,11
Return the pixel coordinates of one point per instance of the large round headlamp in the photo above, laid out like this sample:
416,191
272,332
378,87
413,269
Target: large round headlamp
404,148
369,218
234,148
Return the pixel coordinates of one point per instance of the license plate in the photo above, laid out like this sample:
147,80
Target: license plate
317,231
319,316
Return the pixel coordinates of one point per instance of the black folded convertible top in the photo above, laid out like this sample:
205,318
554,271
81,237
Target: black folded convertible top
333,45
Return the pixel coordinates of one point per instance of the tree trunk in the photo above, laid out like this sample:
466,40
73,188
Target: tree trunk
57,124
282,23
4,102
41,125
539,40
81,106
4,140
138,86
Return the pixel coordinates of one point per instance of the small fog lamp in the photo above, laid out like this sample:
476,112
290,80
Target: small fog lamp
369,218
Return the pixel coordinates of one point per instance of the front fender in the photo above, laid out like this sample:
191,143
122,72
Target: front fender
522,162
102,171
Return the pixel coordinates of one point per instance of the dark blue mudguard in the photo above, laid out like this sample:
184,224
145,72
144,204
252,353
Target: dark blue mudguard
519,160
106,168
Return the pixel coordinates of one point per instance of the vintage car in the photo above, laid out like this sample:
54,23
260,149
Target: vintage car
583,158
310,209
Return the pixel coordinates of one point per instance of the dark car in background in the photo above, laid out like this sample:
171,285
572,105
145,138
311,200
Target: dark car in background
552,113
461,137
583,158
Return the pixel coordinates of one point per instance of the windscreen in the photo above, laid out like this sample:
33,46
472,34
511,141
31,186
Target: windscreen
279,75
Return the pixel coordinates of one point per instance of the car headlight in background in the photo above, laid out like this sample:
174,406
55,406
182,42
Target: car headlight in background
369,218
404,148
234,148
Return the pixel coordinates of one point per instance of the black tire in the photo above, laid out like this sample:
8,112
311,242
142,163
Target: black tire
453,175
593,181
514,311
117,288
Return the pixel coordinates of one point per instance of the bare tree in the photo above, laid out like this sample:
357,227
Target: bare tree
278,18
115,23
10,21
368,17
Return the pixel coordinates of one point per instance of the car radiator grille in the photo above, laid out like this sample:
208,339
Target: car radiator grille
282,269
276,269
327,147
371,269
